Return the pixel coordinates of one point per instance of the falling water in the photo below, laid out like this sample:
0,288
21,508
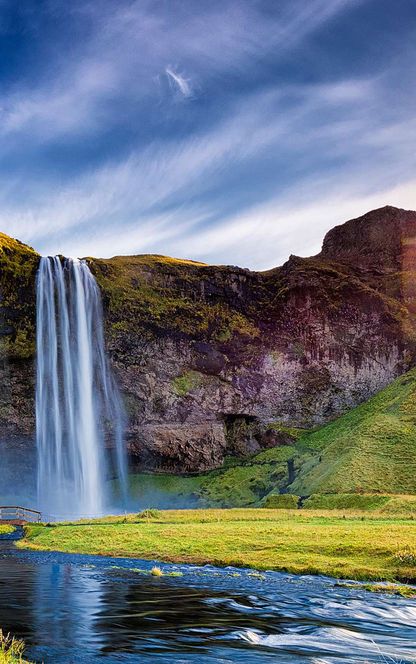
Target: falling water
77,401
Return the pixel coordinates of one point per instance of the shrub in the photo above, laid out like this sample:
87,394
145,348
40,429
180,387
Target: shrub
281,501
406,556
149,514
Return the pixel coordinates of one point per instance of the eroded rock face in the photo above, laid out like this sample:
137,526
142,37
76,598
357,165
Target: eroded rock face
183,447
380,240
208,356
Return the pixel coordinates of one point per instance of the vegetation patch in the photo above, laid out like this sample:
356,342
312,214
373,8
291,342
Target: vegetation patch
189,381
281,501
400,505
239,486
406,557
239,483
18,265
153,295
11,650
293,432
345,501
148,514
5,529
400,589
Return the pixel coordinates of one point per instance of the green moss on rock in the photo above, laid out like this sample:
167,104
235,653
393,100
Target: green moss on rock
237,487
18,266
187,382
155,295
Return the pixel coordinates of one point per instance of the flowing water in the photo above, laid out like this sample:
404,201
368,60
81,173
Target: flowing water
77,401
86,609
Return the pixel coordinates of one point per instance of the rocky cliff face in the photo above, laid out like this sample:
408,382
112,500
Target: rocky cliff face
208,357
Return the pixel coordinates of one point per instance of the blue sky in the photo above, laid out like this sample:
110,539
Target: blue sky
231,131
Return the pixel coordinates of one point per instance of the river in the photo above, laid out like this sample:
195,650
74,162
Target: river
85,609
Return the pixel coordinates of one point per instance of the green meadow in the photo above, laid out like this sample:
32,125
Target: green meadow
354,544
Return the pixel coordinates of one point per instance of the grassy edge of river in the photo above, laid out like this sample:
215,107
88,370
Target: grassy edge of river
11,650
346,545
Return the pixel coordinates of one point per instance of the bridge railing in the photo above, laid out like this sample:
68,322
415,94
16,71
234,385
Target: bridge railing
17,513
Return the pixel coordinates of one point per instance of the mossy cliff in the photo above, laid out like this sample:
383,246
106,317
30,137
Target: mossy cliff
216,361
18,266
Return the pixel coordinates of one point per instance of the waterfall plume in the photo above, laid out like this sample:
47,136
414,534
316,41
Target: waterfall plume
78,406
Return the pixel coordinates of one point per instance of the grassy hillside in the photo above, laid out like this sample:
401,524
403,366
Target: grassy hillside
371,449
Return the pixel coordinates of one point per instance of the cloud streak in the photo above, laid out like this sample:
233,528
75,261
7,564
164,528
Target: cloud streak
179,82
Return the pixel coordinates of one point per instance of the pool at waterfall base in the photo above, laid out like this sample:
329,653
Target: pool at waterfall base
77,608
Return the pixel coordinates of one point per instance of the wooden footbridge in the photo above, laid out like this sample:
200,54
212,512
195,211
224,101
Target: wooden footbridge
18,516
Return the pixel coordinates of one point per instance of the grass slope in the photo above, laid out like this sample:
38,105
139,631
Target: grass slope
344,545
372,448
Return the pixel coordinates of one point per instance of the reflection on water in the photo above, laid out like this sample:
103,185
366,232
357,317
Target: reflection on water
89,609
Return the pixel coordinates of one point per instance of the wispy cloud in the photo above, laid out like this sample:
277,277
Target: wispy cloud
129,46
172,176
178,82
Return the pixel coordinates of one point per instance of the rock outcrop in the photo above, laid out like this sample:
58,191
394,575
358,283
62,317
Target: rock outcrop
208,357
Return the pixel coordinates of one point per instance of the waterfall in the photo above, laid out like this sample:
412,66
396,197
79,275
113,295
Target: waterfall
78,406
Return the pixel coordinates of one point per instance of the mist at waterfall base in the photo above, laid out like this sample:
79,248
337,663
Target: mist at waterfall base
79,412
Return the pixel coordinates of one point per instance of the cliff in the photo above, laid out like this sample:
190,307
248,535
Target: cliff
215,360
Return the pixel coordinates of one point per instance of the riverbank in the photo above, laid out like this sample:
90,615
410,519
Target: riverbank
5,529
348,544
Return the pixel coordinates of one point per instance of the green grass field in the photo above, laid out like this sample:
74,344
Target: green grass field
353,544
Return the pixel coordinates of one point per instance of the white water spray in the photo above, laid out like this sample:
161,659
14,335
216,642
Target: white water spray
77,401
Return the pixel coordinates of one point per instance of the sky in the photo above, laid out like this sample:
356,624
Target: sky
228,131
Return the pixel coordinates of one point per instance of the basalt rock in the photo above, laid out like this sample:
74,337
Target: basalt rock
209,357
